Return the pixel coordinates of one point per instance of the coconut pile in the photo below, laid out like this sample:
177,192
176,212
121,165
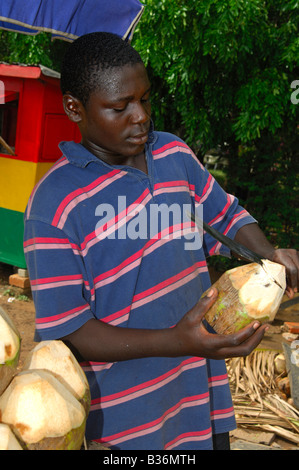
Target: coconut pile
45,405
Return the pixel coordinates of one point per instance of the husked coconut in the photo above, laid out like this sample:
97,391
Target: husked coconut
8,440
10,345
280,364
247,293
42,412
55,356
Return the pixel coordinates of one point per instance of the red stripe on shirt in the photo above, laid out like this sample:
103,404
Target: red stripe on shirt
123,217
162,288
134,260
189,436
147,387
63,315
80,191
171,145
158,423
46,280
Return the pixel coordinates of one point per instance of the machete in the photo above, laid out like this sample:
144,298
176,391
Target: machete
234,246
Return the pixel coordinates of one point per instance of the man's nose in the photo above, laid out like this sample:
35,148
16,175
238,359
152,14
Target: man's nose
140,113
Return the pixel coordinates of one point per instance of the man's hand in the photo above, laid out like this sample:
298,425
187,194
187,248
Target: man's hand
252,237
290,259
194,339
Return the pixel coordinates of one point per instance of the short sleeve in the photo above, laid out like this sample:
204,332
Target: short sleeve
219,209
59,285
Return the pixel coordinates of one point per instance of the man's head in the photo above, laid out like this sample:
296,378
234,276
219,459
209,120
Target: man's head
89,60
106,91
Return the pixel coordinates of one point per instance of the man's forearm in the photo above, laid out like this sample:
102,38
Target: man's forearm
100,342
252,237
97,341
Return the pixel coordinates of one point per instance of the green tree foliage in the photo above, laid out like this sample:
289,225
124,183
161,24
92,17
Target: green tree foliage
31,50
221,72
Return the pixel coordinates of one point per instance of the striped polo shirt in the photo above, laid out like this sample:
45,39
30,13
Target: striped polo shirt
113,243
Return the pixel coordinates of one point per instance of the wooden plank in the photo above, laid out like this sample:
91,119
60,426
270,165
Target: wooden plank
281,432
244,445
258,437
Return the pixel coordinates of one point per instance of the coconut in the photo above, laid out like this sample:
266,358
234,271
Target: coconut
8,440
56,357
280,364
10,346
43,413
247,293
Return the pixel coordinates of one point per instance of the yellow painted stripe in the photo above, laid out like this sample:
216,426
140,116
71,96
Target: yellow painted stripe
17,180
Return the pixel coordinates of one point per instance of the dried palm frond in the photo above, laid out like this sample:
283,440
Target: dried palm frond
256,397
254,374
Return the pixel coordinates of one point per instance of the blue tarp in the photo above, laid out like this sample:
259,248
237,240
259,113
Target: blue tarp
69,19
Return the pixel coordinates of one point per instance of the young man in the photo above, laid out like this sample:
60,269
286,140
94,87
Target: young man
120,285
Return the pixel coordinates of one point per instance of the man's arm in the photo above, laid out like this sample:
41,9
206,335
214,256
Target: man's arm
100,342
252,237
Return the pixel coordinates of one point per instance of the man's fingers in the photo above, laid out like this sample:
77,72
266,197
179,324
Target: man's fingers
244,341
292,269
205,303
290,259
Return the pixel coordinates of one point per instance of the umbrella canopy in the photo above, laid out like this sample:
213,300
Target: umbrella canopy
69,19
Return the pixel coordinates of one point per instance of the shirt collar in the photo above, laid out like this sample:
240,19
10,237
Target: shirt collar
79,156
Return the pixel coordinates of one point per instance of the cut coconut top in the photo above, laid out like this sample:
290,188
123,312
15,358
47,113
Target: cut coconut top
275,271
38,406
9,338
258,289
55,356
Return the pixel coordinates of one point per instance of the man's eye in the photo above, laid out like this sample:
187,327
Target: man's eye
119,110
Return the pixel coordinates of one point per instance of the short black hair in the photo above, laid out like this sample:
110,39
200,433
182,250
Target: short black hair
88,59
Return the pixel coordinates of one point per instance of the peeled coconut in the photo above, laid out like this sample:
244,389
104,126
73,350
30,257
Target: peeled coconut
280,364
55,356
8,440
10,346
245,294
43,413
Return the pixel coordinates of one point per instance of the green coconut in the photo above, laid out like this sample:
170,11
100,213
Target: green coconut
42,412
10,346
55,356
8,440
247,293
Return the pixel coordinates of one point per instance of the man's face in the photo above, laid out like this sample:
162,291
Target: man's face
115,122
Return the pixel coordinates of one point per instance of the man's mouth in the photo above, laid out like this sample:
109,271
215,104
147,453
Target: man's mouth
139,139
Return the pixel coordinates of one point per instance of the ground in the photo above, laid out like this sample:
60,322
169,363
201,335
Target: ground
19,306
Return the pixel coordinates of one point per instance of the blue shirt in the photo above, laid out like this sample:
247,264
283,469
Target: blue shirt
113,243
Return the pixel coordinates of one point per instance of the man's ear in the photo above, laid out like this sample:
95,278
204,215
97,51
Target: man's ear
72,107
